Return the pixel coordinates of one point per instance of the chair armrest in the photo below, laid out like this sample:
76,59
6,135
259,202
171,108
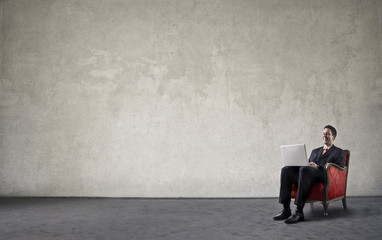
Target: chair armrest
335,166
335,180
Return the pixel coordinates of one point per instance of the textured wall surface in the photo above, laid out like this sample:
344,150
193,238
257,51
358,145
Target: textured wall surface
155,98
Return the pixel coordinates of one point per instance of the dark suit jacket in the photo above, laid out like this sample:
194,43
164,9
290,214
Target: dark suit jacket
333,155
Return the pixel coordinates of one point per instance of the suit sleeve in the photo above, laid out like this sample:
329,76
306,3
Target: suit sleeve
313,156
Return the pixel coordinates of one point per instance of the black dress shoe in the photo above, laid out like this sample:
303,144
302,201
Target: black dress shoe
295,218
284,214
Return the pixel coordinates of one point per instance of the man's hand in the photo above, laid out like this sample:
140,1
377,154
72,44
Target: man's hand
312,164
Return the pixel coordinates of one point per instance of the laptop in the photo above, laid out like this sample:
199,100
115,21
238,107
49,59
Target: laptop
294,155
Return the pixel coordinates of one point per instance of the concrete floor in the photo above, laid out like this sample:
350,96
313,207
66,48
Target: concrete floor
104,218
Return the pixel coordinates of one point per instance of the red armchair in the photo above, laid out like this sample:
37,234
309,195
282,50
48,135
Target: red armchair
334,187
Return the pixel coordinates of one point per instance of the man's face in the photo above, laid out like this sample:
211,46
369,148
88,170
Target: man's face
328,137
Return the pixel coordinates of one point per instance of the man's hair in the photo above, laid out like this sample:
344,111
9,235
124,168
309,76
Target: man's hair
332,129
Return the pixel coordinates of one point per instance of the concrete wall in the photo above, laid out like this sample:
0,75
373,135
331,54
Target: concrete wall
155,98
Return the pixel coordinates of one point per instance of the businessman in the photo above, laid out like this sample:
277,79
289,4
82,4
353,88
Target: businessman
304,177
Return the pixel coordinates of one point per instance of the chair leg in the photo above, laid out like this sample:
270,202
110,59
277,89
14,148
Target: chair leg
344,203
325,209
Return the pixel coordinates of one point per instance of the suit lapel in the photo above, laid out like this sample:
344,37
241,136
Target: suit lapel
320,152
331,149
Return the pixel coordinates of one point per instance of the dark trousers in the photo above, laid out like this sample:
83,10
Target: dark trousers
303,177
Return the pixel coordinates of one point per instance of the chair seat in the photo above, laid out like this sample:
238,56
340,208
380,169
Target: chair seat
316,191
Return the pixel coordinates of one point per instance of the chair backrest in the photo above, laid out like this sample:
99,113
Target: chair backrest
346,164
347,158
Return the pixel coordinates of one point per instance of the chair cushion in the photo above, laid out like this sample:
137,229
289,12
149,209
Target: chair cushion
315,191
